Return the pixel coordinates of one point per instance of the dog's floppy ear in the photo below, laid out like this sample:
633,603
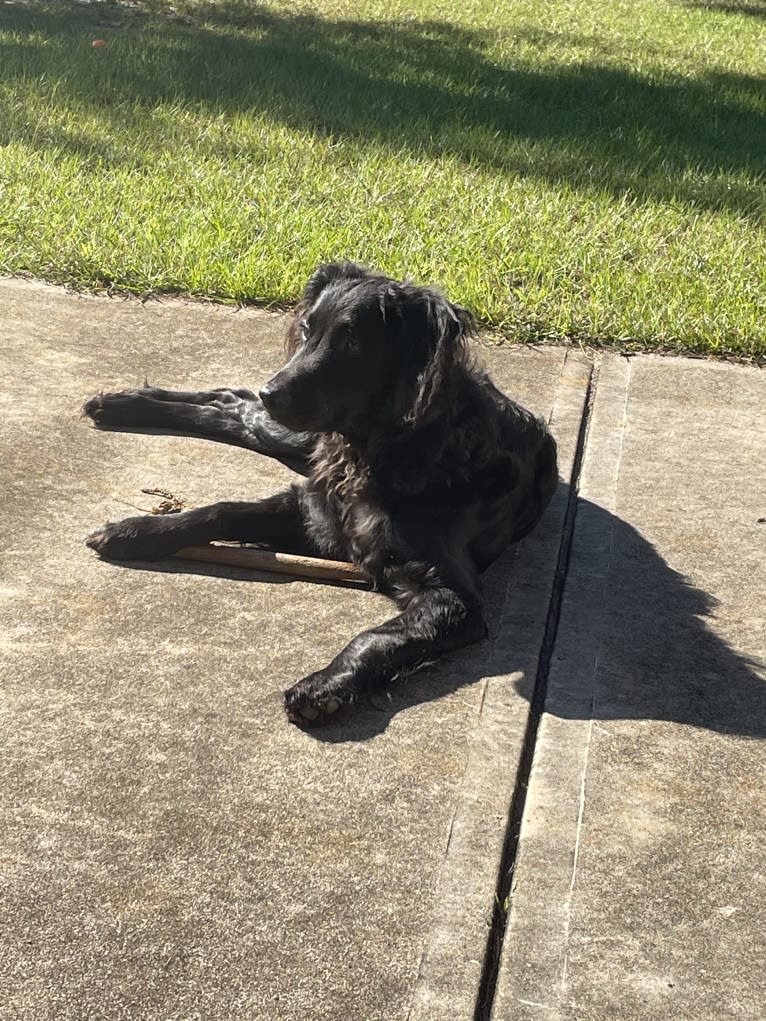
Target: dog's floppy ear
327,273
442,330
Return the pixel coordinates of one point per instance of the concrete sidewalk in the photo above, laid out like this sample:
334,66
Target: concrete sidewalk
172,849
640,882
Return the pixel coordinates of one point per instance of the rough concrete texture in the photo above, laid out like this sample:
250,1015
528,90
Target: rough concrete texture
170,847
640,883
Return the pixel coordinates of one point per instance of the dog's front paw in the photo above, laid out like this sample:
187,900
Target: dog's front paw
92,407
131,539
122,408
314,701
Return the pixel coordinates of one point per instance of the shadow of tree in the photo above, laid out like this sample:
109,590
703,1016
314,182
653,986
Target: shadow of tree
427,87
753,9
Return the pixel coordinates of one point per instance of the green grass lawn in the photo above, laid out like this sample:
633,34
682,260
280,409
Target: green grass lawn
571,169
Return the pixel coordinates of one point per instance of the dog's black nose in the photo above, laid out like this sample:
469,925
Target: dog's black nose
269,394
279,400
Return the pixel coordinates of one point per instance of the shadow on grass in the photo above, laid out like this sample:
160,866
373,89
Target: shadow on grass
426,87
754,10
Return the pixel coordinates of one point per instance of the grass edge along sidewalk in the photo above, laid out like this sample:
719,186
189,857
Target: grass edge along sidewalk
597,178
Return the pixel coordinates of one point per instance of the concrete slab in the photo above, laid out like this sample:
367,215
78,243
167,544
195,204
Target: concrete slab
170,847
639,888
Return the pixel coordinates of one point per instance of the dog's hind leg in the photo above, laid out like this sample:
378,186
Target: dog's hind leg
237,417
276,522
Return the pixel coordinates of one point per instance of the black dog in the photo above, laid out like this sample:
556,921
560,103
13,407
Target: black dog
419,469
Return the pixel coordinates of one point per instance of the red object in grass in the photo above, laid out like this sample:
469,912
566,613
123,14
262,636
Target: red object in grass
99,42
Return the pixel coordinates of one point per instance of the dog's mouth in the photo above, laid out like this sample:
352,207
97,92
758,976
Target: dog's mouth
296,416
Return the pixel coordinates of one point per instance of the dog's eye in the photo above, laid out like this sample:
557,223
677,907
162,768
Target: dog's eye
304,330
349,339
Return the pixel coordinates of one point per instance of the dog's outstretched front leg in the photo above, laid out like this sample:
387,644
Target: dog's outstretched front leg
435,621
276,522
237,417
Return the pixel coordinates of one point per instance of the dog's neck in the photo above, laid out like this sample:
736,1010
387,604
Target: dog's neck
388,422
387,461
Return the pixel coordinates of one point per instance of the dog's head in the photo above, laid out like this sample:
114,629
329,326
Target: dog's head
367,352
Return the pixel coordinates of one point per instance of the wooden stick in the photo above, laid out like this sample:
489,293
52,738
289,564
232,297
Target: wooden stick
279,563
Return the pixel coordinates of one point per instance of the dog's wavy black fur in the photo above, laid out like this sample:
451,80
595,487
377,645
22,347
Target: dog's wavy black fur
418,469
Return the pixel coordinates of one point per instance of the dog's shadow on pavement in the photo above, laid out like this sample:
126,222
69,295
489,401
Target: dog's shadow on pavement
647,641
636,641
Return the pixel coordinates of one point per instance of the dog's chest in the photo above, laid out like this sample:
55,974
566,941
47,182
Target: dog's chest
353,506
367,528
369,531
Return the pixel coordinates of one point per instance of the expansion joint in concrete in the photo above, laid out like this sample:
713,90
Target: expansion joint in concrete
504,892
